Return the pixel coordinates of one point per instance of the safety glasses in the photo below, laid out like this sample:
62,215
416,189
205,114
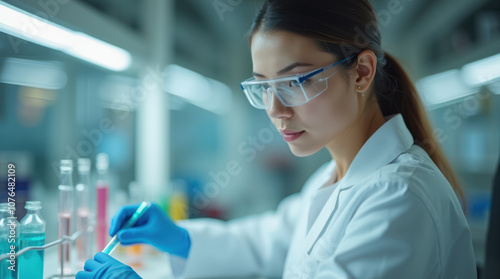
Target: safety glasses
291,91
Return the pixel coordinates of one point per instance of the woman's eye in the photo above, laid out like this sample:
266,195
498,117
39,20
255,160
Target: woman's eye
295,83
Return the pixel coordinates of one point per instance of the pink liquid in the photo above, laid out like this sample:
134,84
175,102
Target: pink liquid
82,243
102,224
65,229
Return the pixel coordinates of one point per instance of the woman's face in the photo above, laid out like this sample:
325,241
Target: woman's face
309,127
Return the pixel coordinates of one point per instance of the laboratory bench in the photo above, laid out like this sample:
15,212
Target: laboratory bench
155,264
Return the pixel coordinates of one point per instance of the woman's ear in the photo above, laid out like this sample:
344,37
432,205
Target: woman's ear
365,70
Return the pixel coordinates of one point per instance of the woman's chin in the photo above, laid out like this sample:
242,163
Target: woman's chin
301,151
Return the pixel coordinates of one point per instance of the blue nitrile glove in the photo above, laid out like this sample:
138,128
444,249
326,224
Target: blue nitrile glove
154,228
103,266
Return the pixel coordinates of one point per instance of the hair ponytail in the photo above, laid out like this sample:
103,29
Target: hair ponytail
344,28
396,93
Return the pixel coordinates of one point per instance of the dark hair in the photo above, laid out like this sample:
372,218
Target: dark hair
344,28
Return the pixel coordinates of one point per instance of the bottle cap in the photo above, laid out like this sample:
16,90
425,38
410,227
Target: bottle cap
4,206
33,205
84,164
66,165
102,161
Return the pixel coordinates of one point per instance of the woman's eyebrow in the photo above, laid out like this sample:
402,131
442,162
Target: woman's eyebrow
285,70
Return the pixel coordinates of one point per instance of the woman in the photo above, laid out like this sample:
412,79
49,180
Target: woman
386,206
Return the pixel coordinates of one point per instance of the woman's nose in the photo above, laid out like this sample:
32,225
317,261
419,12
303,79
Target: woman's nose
277,109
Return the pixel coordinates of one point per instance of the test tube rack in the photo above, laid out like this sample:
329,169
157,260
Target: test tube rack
65,239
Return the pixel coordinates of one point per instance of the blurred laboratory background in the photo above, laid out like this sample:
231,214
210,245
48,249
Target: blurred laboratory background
154,85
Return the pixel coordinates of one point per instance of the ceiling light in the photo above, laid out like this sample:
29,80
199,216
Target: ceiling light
26,26
482,71
33,73
197,89
443,87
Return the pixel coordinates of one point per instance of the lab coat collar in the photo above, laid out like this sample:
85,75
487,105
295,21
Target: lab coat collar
385,145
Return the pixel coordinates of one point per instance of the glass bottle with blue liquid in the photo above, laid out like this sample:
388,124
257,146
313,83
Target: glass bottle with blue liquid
32,234
9,238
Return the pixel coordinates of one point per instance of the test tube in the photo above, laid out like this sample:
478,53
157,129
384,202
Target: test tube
83,211
102,190
143,207
65,215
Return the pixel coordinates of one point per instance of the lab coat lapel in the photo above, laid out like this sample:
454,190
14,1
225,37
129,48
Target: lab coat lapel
387,143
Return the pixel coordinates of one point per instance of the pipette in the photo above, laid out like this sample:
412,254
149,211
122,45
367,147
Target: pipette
143,207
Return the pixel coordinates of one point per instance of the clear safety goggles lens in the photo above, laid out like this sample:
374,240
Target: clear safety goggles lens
289,91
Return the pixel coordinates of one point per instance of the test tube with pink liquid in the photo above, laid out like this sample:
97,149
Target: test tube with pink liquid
102,190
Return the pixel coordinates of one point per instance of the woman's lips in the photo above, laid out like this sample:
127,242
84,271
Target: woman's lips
290,135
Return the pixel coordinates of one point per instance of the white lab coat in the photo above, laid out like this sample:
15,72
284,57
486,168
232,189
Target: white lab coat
393,215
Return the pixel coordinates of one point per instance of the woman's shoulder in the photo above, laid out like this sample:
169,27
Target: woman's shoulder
413,169
413,175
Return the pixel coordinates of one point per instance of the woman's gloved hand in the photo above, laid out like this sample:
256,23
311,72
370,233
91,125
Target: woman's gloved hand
103,266
154,228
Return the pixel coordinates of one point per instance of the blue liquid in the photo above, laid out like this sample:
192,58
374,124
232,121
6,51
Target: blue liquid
31,262
6,273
